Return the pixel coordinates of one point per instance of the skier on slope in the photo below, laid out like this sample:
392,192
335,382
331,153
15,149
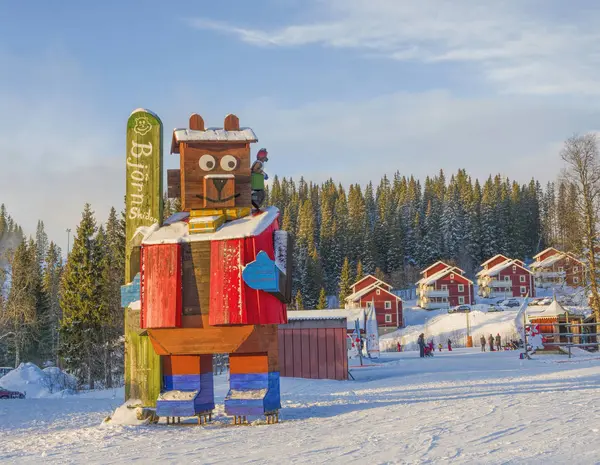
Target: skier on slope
498,342
482,340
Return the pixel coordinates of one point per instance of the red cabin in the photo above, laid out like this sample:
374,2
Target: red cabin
371,292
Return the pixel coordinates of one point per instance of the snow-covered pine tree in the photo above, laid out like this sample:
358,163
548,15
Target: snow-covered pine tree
20,312
322,303
79,299
345,282
51,285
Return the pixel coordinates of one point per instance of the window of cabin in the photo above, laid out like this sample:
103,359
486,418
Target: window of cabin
461,300
514,268
444,287
370,304
523,289
522,278
575,269
451,275
388,318
388,305
560,269
575,280
461,288
378,292
507,278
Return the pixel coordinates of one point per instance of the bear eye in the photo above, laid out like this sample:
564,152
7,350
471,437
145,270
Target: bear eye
207,162
229,163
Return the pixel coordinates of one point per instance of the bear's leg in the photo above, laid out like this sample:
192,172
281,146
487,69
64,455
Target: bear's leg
254,385
187,386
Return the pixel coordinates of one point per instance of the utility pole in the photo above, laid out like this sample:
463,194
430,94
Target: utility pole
68,240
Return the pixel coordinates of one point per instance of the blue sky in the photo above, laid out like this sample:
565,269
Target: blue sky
349,89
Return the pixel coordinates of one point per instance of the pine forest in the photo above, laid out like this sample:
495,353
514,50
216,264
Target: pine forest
64,308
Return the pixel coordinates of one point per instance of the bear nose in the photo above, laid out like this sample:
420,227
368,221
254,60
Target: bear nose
219,183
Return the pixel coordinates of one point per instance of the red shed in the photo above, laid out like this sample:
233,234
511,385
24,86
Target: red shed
313,347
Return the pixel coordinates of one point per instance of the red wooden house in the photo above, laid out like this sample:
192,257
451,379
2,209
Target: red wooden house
502,277
553,268
443,286
372,292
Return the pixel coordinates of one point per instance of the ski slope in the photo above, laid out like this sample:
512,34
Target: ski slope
458,407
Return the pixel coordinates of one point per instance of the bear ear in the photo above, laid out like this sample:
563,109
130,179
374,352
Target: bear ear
231,123
196,122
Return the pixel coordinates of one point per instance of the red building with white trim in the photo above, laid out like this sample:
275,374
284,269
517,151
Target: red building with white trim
502,277
372,292
444,286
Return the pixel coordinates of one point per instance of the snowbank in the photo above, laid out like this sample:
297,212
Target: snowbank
37,383
444,326
130,413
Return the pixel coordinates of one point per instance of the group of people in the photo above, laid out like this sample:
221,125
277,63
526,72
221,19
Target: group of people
490,341
427,349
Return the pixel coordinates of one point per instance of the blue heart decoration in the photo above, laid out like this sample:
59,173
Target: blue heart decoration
262,274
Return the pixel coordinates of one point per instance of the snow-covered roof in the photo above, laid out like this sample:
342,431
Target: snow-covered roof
376,285
439,262
546,250
494,257
440,274
501,266
176,232
551,311
351,315
211,135
370,276
548,261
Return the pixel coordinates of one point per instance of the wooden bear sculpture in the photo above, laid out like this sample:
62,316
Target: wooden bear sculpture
215,279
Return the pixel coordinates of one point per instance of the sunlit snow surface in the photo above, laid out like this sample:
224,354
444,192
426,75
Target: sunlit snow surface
459,407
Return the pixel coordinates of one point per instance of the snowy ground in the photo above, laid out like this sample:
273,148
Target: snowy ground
457,407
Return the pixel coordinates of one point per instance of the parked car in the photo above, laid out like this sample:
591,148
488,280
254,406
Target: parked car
494,308
512,303
7,394
460,309
535,301
546,301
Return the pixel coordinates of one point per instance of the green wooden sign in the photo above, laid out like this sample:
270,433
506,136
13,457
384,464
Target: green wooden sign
143,194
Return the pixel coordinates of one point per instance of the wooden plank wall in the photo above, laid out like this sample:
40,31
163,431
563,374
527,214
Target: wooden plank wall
318,353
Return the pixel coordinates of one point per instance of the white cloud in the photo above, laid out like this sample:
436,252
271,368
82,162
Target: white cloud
519,46
418,134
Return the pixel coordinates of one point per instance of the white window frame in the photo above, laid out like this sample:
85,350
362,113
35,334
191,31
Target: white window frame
444,287
522,278
575,269
506,278
461,300
388,305
388,317
575,280
370,304
451,275
523,289
378,291
514,268
461,288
